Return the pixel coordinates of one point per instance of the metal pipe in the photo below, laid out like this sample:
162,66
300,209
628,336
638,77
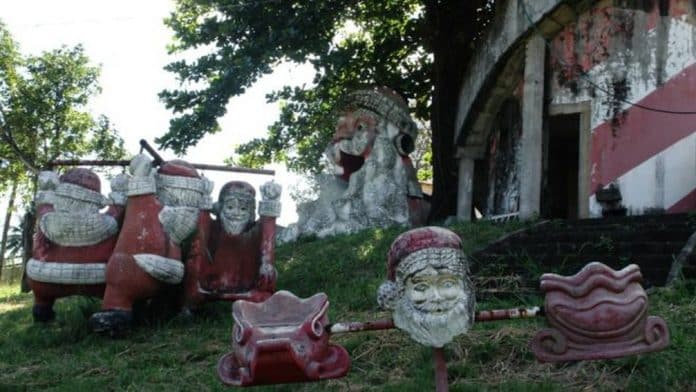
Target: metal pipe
358,326
484,315
157,160
144,145
507,314
77,162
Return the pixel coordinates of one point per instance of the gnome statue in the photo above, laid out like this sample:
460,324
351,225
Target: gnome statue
428,286
232,258
73,240
162,211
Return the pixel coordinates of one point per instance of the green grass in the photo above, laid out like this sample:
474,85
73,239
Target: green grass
172,354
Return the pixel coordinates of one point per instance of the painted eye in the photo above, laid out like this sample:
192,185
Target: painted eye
420,287
361,126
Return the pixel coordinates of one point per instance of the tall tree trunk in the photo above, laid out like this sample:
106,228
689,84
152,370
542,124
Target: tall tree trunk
6,226
27,243
28,230
454,27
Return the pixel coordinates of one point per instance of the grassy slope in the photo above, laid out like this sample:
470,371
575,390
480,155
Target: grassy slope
180,354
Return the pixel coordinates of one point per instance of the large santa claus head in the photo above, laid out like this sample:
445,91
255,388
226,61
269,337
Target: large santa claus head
428,287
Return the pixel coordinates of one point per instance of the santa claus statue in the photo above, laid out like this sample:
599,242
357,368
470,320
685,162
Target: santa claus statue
428,286
162,211
73,240
233,258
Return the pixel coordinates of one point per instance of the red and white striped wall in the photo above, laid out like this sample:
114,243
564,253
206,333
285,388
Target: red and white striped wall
637,59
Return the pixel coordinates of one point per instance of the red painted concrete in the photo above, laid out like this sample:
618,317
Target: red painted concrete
598,313
596,30
643,133
686,204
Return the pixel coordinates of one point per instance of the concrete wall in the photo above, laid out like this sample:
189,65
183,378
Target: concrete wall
513,21
613,57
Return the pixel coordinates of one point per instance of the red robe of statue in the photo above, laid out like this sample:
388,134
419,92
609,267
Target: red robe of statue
228,268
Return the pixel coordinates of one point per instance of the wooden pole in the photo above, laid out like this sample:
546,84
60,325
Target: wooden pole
157,161
441,384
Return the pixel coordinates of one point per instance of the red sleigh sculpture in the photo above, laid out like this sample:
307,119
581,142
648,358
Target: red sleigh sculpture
597,313
282,340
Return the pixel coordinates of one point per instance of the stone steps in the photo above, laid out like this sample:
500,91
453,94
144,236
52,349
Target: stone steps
651,241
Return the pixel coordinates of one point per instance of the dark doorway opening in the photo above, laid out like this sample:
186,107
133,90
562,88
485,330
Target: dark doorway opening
562,166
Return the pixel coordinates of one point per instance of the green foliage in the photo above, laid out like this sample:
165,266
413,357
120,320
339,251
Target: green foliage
349,43
182,353
43,114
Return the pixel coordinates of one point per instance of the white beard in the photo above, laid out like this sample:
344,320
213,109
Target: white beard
234,227
434,330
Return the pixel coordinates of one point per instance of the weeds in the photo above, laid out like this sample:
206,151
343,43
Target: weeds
174,354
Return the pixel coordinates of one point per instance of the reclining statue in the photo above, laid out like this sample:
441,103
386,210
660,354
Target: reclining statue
163,210
73,240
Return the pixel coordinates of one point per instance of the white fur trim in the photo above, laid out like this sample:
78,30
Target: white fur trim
269,208
387,294
161,268
77,192
66,272
450,258
77,229
179,222
141,185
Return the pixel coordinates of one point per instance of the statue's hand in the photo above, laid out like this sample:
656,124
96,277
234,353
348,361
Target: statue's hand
271,191
267,277
140,165
119,189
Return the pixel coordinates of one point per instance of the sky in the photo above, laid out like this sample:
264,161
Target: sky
128,39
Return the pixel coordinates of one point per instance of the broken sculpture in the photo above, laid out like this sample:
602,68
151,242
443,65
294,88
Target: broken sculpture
428,286
598,313
73,240
282,340
163,209
374,182
231,258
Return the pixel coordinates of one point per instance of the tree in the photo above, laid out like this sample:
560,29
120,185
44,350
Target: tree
418,47
43,117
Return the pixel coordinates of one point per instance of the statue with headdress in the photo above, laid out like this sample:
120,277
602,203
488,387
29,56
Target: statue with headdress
374,183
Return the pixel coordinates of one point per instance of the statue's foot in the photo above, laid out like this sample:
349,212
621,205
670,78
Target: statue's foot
43,313
115,323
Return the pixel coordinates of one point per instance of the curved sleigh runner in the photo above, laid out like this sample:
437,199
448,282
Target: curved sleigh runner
282,340
598,313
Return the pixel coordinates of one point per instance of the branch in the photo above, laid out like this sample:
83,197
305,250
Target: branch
7,136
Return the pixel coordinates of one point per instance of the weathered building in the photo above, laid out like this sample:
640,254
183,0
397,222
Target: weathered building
569,97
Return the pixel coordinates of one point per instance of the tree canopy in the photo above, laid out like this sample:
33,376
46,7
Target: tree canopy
43,117
417,47
43,113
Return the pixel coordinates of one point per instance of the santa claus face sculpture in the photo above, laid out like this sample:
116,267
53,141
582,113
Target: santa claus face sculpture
236,206
429,290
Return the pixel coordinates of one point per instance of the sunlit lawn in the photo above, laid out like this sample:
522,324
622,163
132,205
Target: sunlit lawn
181,353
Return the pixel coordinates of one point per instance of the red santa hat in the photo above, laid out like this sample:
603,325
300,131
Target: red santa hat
239,189
418,239
81,184
426,246
182,175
